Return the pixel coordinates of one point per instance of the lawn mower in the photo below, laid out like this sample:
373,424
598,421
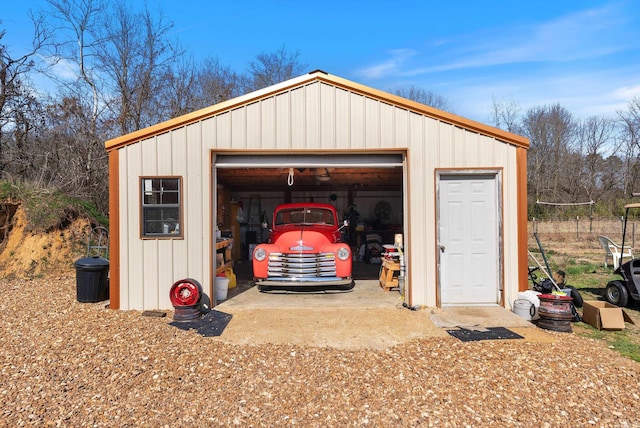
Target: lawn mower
619,291
549,284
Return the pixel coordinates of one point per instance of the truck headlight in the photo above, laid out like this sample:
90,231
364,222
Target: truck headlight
260,254
343,254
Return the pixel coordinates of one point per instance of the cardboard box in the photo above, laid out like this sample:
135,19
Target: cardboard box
604,315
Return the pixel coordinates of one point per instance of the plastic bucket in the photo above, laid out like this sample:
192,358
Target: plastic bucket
222,287
524,309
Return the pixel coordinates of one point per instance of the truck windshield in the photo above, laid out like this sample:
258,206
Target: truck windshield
305,216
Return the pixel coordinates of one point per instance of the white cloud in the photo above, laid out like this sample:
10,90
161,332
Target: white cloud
627,92
388,67
61,68
587,34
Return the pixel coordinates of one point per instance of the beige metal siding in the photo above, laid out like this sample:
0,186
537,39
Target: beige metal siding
283,123
327,117
268,123
342,108
315,117
195,246
150,266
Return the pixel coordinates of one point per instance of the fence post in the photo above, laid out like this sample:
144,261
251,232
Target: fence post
577,228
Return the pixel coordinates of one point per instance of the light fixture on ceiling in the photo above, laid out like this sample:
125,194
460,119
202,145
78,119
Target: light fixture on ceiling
324,176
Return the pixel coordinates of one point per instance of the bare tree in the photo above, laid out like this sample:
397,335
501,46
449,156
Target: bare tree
216,83
71,159
271,68
630,145
551,131
595,134
423,96
71,151
15,93
177,96
505,114
80,18
133,57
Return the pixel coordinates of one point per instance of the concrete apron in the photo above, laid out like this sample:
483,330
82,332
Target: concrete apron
365,317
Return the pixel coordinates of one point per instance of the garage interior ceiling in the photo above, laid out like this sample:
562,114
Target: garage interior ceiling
336,178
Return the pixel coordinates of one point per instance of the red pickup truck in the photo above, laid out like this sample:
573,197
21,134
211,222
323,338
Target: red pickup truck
304,249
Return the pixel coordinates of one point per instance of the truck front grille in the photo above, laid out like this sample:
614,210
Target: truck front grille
302,265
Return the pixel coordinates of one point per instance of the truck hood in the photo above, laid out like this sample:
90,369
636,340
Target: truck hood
303,239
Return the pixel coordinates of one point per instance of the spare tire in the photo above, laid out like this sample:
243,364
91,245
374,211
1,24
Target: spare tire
185,292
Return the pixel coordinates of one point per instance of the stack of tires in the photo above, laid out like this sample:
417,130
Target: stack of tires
555,312
186,297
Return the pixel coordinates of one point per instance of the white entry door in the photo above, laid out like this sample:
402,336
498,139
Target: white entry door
468,239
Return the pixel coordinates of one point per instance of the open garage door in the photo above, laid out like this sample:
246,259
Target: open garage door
366,188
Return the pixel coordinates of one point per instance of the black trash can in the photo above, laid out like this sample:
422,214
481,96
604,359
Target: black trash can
92,279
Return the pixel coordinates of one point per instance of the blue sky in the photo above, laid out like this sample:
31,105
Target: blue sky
584,55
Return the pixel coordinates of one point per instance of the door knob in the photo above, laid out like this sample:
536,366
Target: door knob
442,248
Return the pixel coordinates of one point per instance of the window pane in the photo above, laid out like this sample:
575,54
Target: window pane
169,198
171,214
170,184
153,214
150,198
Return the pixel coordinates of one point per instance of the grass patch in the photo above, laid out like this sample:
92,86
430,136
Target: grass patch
48,208
624,342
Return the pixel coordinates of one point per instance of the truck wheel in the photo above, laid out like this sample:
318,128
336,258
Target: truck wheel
616,293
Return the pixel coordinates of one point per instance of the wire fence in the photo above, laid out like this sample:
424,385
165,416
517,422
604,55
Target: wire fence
583,229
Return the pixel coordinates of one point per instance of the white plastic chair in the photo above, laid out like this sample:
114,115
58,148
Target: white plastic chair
615,251
98,242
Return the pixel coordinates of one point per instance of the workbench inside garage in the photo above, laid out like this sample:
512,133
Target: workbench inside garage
224,260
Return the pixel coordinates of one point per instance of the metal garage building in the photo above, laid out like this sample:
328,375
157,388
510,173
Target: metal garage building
457,187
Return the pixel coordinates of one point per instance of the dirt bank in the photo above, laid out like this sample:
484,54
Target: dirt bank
25,254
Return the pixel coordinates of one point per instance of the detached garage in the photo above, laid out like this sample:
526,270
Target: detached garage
454,189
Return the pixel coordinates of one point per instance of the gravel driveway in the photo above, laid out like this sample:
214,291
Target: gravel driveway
70,364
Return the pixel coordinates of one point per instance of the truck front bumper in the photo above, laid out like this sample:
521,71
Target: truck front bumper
340,283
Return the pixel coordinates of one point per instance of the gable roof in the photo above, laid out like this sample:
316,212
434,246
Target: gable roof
305,79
